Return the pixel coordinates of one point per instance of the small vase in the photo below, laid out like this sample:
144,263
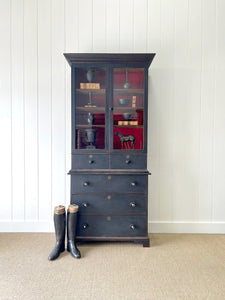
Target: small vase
90,75
90,118
91,137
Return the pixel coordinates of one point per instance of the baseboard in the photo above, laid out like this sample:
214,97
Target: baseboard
26,226
186,227
153,227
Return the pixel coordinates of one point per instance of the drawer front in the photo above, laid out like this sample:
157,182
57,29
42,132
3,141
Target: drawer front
110,203
128,161
94,161
112,225
85,183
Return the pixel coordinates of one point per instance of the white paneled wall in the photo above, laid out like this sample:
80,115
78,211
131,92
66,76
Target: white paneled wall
186,104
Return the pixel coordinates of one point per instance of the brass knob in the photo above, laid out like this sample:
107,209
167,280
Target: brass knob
132,204
85,183
85,226
85,204
133,184
132,226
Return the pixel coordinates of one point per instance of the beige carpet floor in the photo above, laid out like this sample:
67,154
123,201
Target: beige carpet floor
176,266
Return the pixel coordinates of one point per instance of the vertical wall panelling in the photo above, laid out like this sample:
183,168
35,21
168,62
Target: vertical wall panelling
194,95
207,109
58,105
99,26
112,26
45,109
17,60
140,11
155,88
5,111
71,19
126,26
71,33
30,109
186,104
183,204
218,208
166,116
85,26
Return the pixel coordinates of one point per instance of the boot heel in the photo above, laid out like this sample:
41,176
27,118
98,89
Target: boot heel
62,249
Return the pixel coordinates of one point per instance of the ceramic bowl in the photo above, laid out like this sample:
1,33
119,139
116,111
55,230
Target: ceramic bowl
123,101
128,116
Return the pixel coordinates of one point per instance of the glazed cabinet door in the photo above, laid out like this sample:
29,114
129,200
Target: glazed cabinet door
128,117
89,108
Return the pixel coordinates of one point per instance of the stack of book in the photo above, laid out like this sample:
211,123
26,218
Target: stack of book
91,86
122,123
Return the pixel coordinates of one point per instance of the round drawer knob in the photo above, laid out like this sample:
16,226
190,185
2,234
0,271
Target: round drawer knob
85,204
128,161
133,184
132,204
132,226
91,162
85,226
85,183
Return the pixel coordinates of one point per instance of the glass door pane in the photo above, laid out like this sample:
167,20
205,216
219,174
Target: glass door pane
90,101
128,108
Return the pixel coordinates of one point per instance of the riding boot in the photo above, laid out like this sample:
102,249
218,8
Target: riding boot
60,226
71,230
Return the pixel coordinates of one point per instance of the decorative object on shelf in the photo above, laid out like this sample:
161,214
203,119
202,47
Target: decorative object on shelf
78,138
133,123
126,138
128,116
126,84
91,86
125,123
134,101
90,103
91,137
123,101
90,75
121,123
90,118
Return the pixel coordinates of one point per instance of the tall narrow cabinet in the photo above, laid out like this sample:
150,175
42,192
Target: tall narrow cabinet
109,176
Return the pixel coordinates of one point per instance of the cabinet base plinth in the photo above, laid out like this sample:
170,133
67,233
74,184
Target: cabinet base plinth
145,241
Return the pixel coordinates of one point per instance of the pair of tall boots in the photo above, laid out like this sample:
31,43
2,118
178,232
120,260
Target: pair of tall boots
60,229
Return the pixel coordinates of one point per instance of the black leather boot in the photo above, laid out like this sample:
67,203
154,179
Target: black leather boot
60,226
71,230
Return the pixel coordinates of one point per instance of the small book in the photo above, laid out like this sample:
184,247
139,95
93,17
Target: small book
133,122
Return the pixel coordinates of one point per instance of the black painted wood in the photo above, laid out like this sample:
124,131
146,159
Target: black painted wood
90,161
103,203
128,161
111,225
110,185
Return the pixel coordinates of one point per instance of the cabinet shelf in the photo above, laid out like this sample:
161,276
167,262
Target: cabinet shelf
128,126
89,126
132,92
91,109
93,91
127,109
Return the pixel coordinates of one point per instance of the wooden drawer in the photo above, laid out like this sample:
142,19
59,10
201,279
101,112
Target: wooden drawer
128,161
95,161
110,203
111,225
86,183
